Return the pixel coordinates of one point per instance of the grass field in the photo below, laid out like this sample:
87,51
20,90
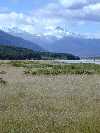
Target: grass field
52,68
49,102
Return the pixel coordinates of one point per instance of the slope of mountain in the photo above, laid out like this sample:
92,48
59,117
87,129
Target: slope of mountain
63,42
78,46
17,53
7,39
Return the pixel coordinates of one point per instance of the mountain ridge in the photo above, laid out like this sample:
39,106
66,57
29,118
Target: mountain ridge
70,43
12,40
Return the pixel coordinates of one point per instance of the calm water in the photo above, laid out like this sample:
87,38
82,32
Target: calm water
79,61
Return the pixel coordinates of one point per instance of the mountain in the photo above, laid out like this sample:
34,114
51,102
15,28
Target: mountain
17,53
8,39
62,41
77,46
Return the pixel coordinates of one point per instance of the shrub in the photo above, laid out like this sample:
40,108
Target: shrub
3,82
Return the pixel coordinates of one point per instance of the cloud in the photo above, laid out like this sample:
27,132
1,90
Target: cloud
73,3
87,10
13,19
89,13
77,4
58,13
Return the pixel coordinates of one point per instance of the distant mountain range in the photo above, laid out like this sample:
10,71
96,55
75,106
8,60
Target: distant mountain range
61,41
16,48
11,40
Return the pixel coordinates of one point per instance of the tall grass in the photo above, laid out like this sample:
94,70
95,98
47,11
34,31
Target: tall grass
49,104
37,68
64,107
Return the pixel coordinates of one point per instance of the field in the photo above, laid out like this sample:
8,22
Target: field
46,97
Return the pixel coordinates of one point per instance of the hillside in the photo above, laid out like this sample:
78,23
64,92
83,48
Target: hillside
83,47
11,40
74,43
17,53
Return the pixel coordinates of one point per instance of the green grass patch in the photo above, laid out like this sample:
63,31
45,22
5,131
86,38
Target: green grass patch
51,68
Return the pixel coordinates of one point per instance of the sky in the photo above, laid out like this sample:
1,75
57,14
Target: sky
43,16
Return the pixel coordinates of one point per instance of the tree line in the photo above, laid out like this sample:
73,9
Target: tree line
16,53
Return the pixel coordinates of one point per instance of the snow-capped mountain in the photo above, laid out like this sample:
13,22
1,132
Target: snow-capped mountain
57,32
60,40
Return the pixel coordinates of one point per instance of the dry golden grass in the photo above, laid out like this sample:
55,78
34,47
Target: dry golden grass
48,104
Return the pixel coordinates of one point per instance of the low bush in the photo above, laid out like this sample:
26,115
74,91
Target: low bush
3,82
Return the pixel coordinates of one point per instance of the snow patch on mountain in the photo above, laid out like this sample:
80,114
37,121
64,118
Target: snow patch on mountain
57,32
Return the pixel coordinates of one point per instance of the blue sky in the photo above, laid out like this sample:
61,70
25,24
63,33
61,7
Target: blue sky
23,5
43,16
